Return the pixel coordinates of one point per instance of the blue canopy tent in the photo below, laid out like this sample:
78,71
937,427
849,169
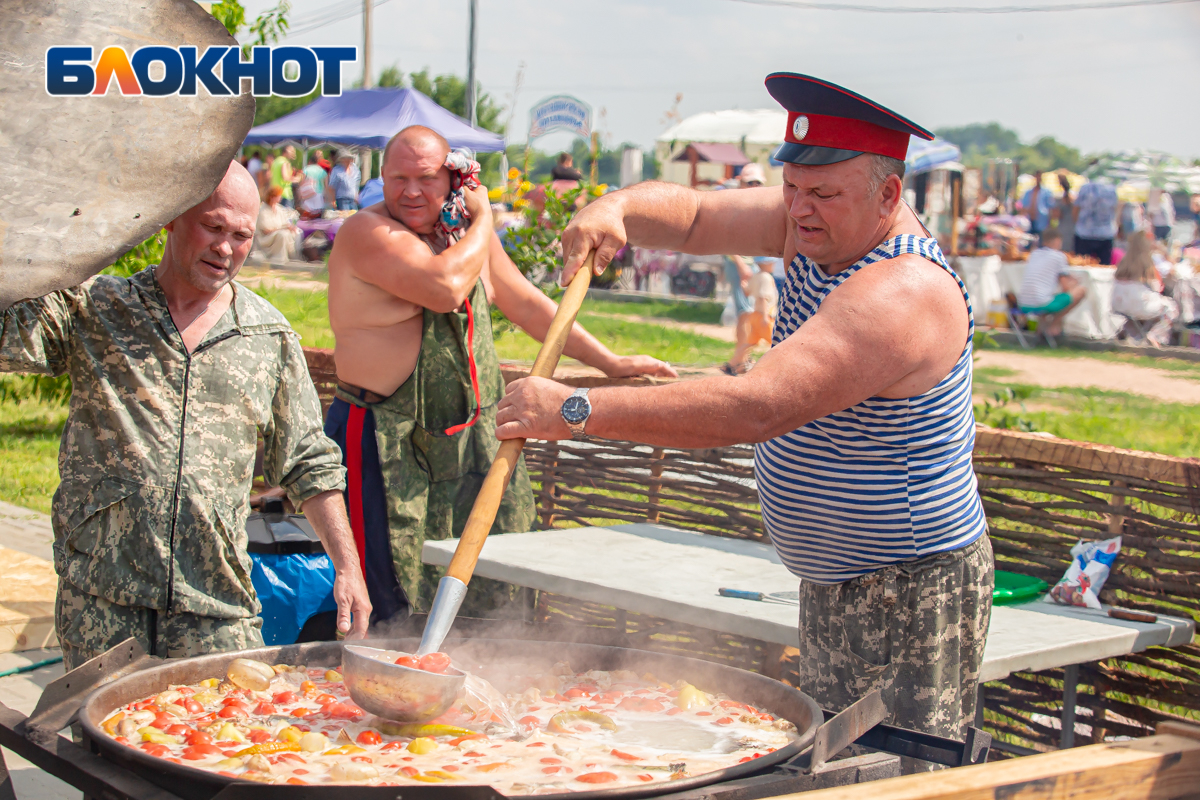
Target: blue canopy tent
926,155
368,118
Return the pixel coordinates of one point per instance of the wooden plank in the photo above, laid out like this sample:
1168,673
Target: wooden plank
1083,455
1155,768
1179,729
27,589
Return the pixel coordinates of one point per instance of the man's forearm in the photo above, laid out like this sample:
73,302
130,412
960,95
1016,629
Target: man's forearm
658,215
327,513
734,411
457,268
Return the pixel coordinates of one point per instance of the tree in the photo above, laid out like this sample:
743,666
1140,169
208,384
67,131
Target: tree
268,27
450,92
390,77
274,107
979,142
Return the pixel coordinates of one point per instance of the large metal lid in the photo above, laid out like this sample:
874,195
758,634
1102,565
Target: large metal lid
86,178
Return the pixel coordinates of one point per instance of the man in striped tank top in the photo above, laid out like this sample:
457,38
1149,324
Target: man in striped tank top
861,412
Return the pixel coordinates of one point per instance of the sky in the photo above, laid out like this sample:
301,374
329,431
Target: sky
1095,79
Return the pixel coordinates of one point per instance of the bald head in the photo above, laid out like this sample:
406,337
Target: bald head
421,139
236,190
208,243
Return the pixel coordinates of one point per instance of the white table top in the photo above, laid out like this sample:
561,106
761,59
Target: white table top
675,575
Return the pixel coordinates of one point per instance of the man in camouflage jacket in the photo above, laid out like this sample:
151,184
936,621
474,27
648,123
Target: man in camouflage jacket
174,371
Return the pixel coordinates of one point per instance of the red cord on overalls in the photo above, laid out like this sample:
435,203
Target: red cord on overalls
471,366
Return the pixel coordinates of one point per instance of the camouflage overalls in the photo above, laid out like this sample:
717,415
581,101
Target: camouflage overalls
914,630
430,478
157,460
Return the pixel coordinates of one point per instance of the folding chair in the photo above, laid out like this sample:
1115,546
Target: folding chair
1134,326
1018,318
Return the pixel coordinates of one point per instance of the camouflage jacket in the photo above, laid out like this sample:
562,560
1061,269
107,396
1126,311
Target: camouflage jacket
158,454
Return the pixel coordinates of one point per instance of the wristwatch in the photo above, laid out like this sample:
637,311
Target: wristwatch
575,411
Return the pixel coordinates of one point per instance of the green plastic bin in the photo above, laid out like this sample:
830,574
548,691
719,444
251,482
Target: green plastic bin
1013,588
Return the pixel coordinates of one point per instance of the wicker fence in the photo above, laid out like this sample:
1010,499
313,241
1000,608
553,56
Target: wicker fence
1041,495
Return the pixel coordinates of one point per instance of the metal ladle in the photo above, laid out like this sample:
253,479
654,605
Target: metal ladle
406,694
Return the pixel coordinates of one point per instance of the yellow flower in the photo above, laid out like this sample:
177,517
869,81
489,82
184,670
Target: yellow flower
524,187
599,189
495,194
520,203
514,173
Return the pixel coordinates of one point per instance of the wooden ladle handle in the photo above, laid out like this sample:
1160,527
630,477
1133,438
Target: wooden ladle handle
487,502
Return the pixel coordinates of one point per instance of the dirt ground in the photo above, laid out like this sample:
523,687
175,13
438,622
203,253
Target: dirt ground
1052,371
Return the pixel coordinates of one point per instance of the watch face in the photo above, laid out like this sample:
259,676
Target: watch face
576,409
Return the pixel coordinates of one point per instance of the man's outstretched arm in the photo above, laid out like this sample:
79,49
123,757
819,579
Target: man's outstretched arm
385,253
532,311
749,222
889,332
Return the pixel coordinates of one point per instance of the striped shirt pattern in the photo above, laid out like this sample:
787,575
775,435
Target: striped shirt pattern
879,483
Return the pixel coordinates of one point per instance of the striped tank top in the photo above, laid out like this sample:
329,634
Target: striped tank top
881,482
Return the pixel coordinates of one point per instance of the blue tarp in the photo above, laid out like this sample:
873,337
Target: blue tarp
925,155
368,118
291,589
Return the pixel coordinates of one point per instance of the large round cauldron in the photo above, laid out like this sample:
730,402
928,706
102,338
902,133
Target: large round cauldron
780,699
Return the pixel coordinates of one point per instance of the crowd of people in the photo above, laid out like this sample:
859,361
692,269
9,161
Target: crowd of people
289,194
1155,285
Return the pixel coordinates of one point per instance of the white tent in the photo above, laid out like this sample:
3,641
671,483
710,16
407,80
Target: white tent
757,131
751,126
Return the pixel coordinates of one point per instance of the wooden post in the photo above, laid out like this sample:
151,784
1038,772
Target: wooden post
693,158
955,212
595,155
1066,737
1116,520
656,471
1099,731
367,81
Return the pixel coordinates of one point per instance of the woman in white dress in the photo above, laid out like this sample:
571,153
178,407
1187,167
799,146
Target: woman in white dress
1137,294
276,234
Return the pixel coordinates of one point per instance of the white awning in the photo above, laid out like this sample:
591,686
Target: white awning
735,126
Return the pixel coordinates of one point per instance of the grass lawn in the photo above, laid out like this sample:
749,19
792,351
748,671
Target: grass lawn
1090,415
29,435
626,337
709,313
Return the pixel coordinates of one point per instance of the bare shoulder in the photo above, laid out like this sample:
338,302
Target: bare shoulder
908,282
369,236
907,303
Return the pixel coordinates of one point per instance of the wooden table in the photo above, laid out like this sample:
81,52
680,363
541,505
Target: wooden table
675,574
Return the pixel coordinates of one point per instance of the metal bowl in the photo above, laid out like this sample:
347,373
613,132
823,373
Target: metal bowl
394,692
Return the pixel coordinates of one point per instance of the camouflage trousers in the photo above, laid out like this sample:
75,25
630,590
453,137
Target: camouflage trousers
88,625
915,631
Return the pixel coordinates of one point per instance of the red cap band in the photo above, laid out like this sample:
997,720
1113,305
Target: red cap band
841,133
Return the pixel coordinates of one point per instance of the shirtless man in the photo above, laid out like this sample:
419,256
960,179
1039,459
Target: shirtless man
418,376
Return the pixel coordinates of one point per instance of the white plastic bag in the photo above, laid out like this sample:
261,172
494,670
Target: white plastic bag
1091,564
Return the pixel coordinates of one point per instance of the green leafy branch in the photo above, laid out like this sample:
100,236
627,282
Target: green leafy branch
997,414
269,27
